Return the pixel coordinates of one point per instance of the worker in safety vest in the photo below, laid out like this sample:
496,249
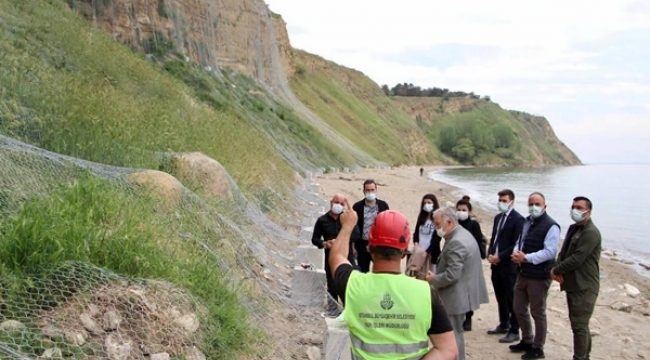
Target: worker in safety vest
389,315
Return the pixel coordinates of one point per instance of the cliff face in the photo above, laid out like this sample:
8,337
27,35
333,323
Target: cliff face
239,35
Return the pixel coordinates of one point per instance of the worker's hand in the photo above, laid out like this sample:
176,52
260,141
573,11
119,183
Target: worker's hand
518,257
494,259
328,244
429,277
348,217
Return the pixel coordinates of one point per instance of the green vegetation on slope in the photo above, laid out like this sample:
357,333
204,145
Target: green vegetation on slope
111,226
479,132
356,107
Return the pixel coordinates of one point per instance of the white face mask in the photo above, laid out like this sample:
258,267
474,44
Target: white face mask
371,196
440,232
535,211
462,215
577,215
337,208
504,207
428,207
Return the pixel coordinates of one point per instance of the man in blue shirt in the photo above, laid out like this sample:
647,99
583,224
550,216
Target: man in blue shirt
535,253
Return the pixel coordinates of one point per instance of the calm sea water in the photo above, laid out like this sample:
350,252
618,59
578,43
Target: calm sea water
620,194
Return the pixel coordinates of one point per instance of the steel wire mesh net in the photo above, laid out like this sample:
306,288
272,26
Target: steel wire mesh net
77,309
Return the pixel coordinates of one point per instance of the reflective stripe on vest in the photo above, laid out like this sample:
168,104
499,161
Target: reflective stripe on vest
388,348
356,357
388,316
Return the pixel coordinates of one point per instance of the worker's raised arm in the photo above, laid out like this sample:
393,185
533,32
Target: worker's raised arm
341,247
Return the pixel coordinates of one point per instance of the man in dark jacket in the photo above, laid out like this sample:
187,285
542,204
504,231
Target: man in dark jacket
577,270
326,230
367,210
505,232
535,253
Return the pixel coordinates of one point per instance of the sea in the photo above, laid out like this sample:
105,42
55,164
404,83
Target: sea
619,193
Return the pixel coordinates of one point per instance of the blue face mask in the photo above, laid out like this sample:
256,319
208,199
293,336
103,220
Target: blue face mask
535,211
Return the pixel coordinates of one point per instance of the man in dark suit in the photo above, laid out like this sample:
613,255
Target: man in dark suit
505,232
367,210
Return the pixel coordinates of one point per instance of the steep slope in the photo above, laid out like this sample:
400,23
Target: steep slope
480,132
354,105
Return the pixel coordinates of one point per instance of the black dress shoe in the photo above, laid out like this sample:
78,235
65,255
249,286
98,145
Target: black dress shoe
521,347
467,325
497,331
534,353
509,338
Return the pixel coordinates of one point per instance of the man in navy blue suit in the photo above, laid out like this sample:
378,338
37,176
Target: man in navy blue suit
505,232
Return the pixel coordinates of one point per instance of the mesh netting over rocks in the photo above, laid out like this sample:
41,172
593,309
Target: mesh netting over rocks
73,308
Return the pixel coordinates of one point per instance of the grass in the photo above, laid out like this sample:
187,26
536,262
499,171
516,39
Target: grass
96,222
355,106
69,88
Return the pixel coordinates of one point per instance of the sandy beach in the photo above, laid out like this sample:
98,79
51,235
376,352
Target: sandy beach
621,322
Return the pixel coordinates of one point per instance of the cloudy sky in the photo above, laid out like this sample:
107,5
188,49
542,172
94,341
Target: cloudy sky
582,64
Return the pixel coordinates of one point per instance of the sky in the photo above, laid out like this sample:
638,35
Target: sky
583,65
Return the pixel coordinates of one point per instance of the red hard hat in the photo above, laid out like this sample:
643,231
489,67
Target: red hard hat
391,229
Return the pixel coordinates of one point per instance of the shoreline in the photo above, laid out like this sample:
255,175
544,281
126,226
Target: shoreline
622,316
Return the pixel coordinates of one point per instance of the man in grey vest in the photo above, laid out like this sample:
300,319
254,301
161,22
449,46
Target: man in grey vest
535,253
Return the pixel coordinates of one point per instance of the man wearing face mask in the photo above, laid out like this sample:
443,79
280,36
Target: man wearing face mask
535,254
459,274
505,232
326,230
367,210
577,271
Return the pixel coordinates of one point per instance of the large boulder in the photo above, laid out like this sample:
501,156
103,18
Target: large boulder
161,185
197,169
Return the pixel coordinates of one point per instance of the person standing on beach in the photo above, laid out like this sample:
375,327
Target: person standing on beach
326,230
367,210
577,270
389,315
424,235
421,171
464,213
535,253
505,233
459,273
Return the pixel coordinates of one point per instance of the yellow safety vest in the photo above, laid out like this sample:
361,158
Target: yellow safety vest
388,316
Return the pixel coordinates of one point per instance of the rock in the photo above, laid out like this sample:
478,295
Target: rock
310,339
52,353
52,332
291,315
628,262
645,266
93,310
608,253
313,353
615,258
193,353
620,306
206,172
118,347
160,356
12,325
90,325
266,273
188,322
47,343
112,320
166,188
594,333
76,337
631,291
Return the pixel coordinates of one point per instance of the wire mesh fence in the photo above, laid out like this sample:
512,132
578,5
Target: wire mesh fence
90,287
